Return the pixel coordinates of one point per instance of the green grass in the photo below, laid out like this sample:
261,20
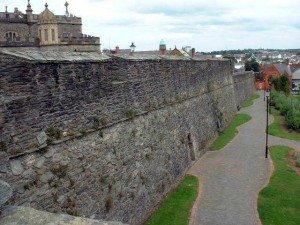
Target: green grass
177,207
279,202
276,129
230,131
250,102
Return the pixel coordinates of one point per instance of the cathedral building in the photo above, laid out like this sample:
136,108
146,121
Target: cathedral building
45,31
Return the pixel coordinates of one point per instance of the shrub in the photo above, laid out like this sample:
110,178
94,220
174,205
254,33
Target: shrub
288,107
298,162
130,113
53,132
297,155
96,124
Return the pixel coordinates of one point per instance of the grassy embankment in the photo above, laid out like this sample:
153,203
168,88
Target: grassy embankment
279,202
177,207
277,128
250,101
230,132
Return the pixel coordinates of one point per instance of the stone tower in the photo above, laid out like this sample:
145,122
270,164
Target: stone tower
29,13
48,28
162,47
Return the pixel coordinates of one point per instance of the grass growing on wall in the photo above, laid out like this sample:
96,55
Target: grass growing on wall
250,102
230,131
177,207
279,202
276,128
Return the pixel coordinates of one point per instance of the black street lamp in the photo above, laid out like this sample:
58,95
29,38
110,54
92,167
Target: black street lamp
267,128
270,86
264,89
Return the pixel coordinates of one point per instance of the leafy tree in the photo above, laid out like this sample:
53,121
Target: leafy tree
285,84
281,84
252,65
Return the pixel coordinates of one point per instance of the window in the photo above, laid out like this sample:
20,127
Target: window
11,36
53,34
46,34
40,34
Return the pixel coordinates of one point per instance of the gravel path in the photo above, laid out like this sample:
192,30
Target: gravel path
231,178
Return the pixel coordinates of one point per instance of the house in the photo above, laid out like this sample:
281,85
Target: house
296,81
275,70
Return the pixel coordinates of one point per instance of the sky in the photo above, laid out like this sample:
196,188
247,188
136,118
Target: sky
206,25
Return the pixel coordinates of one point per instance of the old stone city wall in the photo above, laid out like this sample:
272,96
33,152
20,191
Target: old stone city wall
120,133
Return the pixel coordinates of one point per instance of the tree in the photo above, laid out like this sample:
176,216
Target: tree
252,65
281,83
285,84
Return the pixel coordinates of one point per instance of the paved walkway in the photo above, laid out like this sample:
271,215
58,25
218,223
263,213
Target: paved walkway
231,178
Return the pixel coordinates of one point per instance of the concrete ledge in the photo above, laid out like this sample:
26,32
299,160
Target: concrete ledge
29,216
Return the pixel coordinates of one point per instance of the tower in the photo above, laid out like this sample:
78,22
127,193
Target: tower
162,47
29,12
48,28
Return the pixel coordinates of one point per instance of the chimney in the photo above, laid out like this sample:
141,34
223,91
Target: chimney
287,61
193,52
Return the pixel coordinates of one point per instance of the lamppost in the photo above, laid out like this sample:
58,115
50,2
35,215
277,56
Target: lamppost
264,88
270,86
267,128
132,48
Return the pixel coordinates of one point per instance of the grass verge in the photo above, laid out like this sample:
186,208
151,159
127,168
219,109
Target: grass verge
276,128
279,202
230,131
177,207
250,102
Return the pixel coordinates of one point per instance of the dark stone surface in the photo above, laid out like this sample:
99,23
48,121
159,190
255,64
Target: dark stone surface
5,192
151,119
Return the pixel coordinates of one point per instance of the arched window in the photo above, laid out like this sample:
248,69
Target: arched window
11,36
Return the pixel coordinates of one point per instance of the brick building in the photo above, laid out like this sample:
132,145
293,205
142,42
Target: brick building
44,31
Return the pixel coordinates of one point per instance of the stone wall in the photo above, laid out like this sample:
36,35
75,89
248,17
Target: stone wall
121,132
23,30
73,29
244,86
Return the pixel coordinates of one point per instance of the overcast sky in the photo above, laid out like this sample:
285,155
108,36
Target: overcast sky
207,25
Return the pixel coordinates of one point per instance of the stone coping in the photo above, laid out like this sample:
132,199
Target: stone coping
57,56
52,56
29,216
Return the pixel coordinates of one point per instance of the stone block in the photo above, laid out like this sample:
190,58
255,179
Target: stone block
16,167
5,192
4,162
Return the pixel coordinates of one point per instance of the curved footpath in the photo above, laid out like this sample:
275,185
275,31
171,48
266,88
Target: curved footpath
232,177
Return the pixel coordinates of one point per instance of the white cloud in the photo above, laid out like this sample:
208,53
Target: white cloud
205,25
